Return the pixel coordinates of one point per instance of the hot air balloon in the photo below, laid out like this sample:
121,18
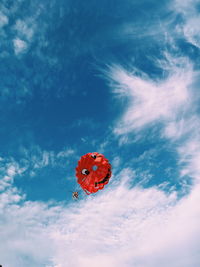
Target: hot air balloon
93,172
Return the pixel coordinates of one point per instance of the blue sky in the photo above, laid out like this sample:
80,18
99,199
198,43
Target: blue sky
117,77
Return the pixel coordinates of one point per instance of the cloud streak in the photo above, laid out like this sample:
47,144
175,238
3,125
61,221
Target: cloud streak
191,19
152,101
3,20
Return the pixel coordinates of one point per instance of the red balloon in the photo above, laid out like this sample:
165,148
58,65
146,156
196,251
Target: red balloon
93,172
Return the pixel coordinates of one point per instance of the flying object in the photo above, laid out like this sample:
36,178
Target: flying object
93,172
74,195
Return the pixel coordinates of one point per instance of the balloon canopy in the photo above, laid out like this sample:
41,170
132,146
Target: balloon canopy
93,172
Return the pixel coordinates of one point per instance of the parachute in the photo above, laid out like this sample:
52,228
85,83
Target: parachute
93,172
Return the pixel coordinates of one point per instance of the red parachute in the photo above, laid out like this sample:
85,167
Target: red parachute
93,172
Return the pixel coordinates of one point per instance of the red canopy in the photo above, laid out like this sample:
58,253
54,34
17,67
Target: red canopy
93,172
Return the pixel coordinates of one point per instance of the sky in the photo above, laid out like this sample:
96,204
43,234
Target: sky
115,77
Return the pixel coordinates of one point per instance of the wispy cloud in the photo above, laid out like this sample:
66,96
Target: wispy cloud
190,158
191,19
8,170
19,32
182,127
34,158
3,20
149,100
25,29
20,46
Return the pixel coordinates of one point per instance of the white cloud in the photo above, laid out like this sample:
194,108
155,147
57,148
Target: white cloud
189,28
3,20
151,101
25,29
190,156
20,46
185,6
38,158
8,170
116,162
183,127
65,153
24,235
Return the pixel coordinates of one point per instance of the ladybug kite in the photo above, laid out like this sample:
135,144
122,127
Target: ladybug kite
93,172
